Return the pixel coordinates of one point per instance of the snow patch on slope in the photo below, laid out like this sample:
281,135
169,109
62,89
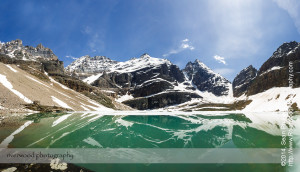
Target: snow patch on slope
273,68
92,78
12,69
9,86
60,103
124,98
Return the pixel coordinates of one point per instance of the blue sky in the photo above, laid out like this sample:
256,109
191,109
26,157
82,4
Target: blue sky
227,35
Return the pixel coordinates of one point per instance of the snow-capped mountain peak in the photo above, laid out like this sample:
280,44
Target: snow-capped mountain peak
97,64
87,64
200,64
206,79
145,55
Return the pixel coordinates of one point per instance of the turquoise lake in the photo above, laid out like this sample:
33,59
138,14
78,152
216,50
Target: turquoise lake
94,130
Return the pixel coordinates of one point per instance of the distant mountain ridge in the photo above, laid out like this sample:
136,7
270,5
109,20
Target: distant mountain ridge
150,83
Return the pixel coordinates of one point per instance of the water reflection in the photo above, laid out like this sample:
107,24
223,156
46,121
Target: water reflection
90,130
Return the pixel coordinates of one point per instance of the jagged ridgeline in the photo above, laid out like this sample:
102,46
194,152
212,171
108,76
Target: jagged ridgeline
149,82
39,57
273,73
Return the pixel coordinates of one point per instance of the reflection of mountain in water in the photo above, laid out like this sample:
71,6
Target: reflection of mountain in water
253,138
91,130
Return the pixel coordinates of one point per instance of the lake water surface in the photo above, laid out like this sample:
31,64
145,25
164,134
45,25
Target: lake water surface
215,130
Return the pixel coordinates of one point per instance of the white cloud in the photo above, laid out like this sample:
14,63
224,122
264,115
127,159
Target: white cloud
185,40
224,71
71,57
185,45
220,59
293,9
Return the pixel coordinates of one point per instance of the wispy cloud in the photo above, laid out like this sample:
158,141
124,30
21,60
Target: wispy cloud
237,26
293,9
220,59
71,57
95,40
185,45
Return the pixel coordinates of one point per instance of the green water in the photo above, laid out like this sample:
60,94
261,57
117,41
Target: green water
154,131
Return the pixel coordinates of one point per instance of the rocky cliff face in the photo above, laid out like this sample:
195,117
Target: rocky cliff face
160,100
243,80
275,72
207,80
40,57
15,49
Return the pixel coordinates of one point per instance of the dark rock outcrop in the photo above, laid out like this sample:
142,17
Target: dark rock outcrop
36,106
147,89
53,67
160,100
243,80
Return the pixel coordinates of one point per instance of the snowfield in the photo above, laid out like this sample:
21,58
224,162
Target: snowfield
274,99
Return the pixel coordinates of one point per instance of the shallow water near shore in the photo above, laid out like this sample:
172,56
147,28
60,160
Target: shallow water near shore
97,130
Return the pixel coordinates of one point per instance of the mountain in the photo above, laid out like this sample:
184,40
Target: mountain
207,80
243,80
275,72
269,88
147,82
43,67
